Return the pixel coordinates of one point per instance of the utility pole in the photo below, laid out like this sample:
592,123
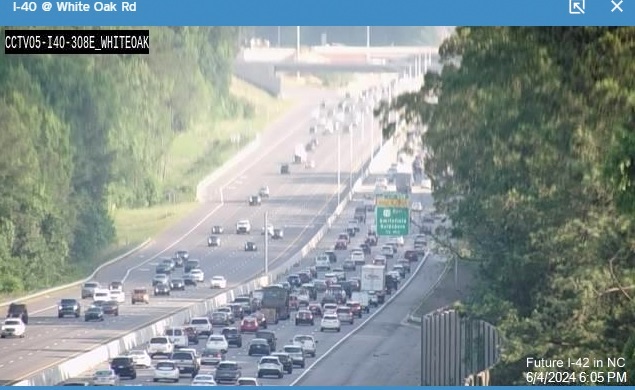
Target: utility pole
279,35
297,48
339,166
367,43
350,173
266,243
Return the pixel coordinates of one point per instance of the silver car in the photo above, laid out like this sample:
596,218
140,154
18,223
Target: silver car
88,289
345,314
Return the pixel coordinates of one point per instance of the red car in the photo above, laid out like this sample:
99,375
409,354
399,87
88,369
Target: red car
316,309
356,308
249,325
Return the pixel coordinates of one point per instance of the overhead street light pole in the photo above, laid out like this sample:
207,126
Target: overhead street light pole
367,43
350,171
266,244
339,166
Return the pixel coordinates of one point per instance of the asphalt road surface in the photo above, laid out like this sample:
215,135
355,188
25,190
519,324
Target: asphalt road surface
300,202
285,330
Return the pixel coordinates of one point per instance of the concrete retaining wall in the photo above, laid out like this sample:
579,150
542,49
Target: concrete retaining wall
261,75
89,360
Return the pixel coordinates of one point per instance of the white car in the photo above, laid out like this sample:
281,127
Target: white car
218,282
204,380
13,327
329,308
330,322
140,358
388,251
202,325
166,371
197,275
118,296
218,342
160,345
247,381
307,342
398,240
101,295
310,164
270,366
243,227
417,206
357,256
105,378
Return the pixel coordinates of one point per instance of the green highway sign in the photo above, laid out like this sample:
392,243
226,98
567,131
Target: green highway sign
392,214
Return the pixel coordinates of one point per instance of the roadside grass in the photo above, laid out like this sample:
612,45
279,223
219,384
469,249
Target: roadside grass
192,156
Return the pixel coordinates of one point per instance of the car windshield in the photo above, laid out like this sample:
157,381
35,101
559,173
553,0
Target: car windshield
68,301
120,361
158,340
227,366
292,349
269,361
200,321
181,356
218,278
204,378
303,338
12,322
91,285
174,332
246,382
165,366
216,338
103,373
136,353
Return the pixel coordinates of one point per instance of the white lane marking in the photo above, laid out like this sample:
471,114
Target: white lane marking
246,168
360,326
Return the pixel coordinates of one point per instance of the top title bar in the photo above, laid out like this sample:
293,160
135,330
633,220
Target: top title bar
325,12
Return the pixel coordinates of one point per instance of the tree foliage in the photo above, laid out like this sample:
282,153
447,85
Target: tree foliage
81,134
530,150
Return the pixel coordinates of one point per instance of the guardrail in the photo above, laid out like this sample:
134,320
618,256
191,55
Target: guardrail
86,361
81,281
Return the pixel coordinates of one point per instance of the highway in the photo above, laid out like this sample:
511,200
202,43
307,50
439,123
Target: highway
300,202
285,330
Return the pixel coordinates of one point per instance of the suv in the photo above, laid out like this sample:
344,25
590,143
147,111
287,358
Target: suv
18,310
88,289
284,169
227,372
186,362
255,200
160,345
243,227
140,295
69,307
268,335
233,336
124,366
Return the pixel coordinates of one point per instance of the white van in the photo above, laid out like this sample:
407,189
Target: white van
178,337
322,263
101,295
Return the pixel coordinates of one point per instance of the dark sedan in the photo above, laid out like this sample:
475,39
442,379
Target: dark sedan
250,246
110,307
259,347
188,280
161,289
304,317
213,241
217,229
177,284
94,314
285,359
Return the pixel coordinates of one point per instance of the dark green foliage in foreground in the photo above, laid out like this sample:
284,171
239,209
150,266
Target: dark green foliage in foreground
532,148
81,134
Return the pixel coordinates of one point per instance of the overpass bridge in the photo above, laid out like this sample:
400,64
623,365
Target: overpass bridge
262,66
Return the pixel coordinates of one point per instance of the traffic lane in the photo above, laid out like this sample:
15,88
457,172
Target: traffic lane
270,136
281,184
176,303
385,352
228,259
291,330
55,331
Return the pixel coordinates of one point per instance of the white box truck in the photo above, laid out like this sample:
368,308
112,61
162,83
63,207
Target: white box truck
374,281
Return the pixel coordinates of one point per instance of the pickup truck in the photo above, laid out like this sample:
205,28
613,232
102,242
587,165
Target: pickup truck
186,362
202,325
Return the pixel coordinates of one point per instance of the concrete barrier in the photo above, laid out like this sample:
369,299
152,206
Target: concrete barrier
81,281
86,361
